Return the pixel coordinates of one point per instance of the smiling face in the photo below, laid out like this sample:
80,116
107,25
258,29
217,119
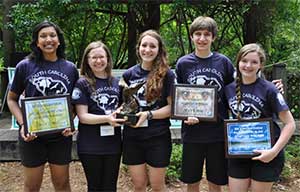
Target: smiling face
202,40
249,66
48,42
97,60
148,49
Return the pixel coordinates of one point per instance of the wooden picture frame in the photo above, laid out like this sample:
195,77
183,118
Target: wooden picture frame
194,101
47,114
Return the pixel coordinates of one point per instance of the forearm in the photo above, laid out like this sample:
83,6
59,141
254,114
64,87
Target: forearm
12,102
16,111
286,132
284,137
162,113
91,119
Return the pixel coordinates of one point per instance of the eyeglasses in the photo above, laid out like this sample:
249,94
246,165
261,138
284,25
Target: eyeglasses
95,58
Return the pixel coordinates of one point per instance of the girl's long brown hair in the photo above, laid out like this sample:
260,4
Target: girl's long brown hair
159,68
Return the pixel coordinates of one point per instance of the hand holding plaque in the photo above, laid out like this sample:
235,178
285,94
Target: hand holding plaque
130,104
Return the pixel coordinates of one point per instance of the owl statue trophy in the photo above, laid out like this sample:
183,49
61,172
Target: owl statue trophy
130,105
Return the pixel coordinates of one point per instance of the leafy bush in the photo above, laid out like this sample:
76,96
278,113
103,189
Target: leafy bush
1,64
292,154
174,169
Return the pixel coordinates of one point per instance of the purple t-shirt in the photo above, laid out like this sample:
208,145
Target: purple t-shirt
260,99
103,100
155,127
216,70
45,79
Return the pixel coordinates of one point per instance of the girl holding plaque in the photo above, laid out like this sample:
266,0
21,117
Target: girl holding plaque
147,145
251,97
44,72
96,96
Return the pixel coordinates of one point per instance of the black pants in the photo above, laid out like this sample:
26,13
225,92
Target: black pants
101,171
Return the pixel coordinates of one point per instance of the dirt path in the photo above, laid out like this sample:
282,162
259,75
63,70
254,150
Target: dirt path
11,178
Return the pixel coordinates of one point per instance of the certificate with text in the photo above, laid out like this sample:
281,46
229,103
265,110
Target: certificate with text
48,114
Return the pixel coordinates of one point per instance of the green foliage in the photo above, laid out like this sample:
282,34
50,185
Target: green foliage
174,169
1,64
292,154
82,22
293,149
1,57
277,26
22,24
282,43
293,92
178,16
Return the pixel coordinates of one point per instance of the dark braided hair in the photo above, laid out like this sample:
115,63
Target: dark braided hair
253,47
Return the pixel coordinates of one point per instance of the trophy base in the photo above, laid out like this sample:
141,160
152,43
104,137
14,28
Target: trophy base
131,119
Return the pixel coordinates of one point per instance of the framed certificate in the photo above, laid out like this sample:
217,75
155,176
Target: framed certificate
194,101
47,114
244,136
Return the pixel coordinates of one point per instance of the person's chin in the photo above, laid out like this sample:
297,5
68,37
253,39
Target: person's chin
203,48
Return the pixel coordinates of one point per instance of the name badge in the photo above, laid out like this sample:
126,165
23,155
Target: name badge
107,130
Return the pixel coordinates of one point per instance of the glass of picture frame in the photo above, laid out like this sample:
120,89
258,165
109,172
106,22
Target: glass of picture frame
244,136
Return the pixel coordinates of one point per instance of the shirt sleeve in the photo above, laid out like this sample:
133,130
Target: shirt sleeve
230,73
18,83
178,73
170,82
276,100
80,93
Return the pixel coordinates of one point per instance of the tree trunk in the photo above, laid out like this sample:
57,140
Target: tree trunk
251,25
141,17
8,43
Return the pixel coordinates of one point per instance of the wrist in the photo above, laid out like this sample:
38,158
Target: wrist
149,115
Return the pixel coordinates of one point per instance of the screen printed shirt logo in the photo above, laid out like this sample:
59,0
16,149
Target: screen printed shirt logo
248,108
49,86
140,94
107,102
206,76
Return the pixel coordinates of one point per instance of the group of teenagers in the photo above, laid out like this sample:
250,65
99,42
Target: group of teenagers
146,147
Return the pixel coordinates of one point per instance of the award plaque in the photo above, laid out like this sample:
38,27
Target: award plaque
47,114
194,101
244,136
